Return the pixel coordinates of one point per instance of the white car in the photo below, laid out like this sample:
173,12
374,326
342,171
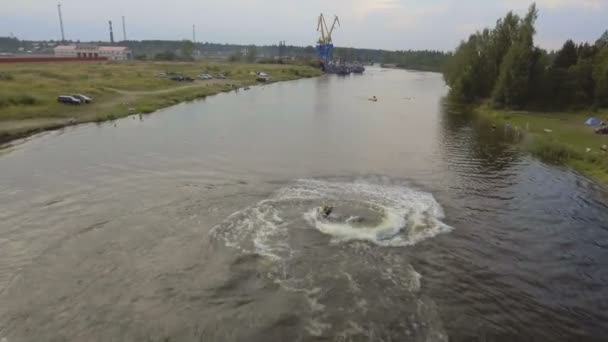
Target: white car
205,76
67,99
83,98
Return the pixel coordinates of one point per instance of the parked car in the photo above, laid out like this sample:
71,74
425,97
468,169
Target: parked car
220,76
161,74
205,76
177,78
263,78
67,99
83,98
187,79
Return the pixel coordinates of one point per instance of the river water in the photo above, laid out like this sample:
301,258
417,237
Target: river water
203,222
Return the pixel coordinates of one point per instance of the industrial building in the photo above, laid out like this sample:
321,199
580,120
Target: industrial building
85,51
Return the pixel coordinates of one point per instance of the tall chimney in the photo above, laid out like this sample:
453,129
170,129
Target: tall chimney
111,33
124,29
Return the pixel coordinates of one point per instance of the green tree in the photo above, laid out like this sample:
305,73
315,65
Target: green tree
503,64
586,51
567,56
9,44
165,56
600,77
236,56
309,50
187,50
474,68
514,81
603,41
462,72
503,36
539,90
252,53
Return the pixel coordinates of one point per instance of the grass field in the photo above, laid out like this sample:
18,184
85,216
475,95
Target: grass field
28,91
561,138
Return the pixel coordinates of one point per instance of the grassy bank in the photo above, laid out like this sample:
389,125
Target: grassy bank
558,137
28,96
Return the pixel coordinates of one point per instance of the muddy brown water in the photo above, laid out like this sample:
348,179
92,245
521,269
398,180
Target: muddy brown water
202,222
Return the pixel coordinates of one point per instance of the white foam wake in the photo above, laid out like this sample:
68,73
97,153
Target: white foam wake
284,230
385,214
407,216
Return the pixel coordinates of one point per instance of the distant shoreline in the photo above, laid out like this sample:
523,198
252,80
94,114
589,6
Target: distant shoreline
147,93
419,68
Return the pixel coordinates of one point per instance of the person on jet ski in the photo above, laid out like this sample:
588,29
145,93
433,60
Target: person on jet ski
326,210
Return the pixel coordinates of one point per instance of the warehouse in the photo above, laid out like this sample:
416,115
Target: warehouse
114,53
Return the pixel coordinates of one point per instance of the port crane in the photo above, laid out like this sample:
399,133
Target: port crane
325,48
325,45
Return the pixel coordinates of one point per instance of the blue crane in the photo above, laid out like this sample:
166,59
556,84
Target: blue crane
325,45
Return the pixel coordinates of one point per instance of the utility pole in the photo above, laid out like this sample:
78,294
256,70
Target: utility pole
61,22
124,29
111,33
194,33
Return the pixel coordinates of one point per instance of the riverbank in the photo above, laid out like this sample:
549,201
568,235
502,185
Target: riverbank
422,68
28,103
558,137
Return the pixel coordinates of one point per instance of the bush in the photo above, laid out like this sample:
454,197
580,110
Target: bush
54,75
146,109
165,56
270,61
553,151
26,100
236,56
315,63
6,77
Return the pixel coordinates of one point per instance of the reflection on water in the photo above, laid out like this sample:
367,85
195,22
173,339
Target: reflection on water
204,222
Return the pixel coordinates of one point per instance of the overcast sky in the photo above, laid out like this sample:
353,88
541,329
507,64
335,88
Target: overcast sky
386,24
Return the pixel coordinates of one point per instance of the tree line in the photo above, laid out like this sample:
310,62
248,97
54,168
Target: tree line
9,44
504,66
185,50
426,60
409,59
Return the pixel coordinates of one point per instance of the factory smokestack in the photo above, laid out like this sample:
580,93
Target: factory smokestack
124,29
111,33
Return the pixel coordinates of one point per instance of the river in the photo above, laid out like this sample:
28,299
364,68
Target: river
204,222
